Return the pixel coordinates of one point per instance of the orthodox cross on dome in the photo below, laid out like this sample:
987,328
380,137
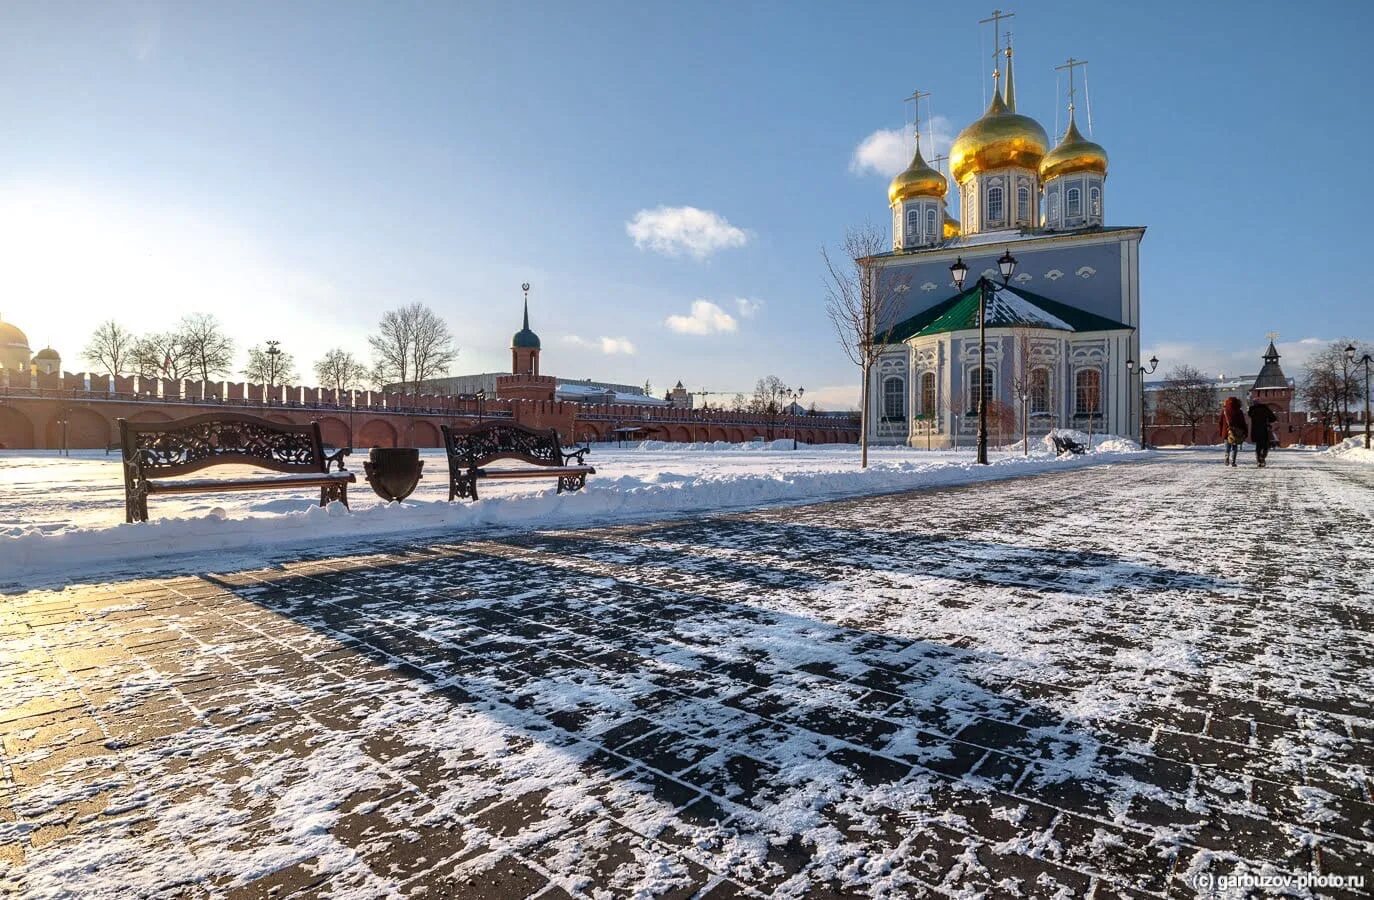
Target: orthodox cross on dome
1071,64
996,20
1272,335
915,100
937,160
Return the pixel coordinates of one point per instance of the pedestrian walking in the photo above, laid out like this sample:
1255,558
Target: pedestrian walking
1262,420
1233,429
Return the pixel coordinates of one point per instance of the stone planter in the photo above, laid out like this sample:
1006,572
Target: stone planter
393,472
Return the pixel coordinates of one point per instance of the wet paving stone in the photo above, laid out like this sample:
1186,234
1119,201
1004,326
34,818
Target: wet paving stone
1076,684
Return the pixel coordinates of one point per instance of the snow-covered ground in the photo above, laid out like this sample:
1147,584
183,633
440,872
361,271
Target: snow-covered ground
1352,450
64,516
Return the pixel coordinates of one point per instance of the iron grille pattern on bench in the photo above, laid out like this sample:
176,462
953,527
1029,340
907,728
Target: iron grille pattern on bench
471,449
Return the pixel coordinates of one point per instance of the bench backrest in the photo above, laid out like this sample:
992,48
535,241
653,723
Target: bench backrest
480,444
194,443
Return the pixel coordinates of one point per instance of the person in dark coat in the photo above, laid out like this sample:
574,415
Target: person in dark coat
1262,420
1233,428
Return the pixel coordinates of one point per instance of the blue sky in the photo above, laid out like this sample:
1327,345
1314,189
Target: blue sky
298,168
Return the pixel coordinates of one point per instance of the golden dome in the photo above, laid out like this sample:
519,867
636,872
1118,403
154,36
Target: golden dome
1001,138
952,228
1074,153
919,180
11,336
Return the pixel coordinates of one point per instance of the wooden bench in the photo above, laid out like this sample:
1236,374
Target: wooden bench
471,449
1066,445
155,453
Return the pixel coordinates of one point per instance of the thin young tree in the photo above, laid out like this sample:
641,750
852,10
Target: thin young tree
340,370
412,344
209,351
1188,397
1021,380
266,367
111,347
860,301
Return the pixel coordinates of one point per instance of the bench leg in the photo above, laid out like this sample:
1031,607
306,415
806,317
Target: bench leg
135,504
331,492
571,483
462,487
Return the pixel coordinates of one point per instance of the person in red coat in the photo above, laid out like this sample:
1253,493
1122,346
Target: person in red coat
1233,428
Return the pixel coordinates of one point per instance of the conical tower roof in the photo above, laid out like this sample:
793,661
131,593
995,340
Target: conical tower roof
1271,376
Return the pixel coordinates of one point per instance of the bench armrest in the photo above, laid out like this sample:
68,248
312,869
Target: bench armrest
575,454
337,457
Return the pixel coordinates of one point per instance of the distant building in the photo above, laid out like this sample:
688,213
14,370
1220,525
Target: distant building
15,355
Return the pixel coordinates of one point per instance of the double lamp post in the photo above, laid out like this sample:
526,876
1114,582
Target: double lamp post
1007,265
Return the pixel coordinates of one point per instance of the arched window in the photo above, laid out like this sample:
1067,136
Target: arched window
1073,202
979,382
1023,204
1053,214
913,226
894,399
928,393
994,205
1095,201
1039,391
1087,385
932,225
896,226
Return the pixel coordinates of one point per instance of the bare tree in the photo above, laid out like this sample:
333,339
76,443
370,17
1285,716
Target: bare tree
1091,396
340,370
207,348
739,403
412,344
266,367
111,347
161,355
767,397
1188,397
1331,384
1021,380
1002,416
859,302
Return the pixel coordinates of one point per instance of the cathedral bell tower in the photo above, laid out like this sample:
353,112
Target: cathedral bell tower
917,199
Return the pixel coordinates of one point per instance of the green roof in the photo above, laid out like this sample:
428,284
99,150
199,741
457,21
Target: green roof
1011,307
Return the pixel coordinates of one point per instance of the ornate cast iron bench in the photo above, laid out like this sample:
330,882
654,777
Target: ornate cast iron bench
1066,445
156,452
471,449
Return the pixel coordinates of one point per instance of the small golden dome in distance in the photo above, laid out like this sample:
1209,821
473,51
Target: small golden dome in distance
998,140
952,229
1074,153
918,180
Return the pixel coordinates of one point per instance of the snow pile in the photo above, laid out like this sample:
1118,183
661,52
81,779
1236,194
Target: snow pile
79,536
1352,450
1099,443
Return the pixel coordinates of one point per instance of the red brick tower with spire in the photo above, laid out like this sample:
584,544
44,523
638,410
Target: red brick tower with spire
525,382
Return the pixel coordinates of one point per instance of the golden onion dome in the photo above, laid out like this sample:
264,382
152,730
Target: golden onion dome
918,180
952,227
10,336
1074,153
1000,139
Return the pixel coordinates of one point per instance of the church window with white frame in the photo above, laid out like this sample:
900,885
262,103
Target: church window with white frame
928,393
1053,215
979,381
1023,204
1039,391
1095,201
1087,392
1073,202
913,226
994,205
932,226
894,399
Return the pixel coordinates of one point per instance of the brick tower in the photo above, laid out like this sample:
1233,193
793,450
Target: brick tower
525,382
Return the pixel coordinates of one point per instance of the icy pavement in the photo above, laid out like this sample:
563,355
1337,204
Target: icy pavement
1115,680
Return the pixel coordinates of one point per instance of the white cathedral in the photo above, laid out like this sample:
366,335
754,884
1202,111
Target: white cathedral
1059,334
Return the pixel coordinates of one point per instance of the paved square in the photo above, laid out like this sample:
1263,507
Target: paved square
1107,682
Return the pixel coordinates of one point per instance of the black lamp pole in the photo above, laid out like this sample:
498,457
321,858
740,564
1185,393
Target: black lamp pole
1006,264
1365,359
481,395
1142,372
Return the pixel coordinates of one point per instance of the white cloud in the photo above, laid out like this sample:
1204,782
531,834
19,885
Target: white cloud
887,151
706,318
607,345
747,307
674,230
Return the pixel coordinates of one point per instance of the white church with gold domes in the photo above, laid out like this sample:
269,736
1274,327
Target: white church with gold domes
1062,334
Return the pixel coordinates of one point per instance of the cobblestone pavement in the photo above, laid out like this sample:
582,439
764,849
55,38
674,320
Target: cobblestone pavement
1113,682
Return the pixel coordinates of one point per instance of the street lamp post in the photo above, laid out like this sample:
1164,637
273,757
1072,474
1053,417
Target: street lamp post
1345,384
1007,265
481,396
794,397
1142,372
1364,360
273,351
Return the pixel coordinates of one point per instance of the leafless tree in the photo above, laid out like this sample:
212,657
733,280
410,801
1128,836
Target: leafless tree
859,302
161,355
739,403
1188,397
265,367
1002,416
1091,395
1021,380
1331,384
207,348
412,344
340,370
111,347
